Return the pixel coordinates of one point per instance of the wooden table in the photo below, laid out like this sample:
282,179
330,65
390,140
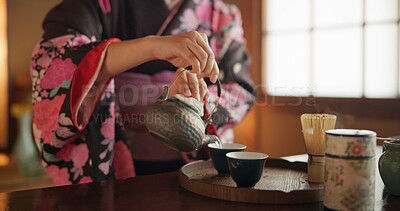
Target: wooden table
155,192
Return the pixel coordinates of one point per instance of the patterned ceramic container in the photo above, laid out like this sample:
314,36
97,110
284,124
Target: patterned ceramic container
350,169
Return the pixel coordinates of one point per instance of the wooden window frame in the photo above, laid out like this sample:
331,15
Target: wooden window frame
370,107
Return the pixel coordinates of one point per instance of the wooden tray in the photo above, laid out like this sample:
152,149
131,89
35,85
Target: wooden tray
282,182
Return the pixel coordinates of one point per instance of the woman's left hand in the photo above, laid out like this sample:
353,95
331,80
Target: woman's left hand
188,84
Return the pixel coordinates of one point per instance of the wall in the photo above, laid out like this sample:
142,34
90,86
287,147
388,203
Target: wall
24,30
3,75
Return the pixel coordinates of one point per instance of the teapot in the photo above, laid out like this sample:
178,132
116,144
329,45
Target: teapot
177,121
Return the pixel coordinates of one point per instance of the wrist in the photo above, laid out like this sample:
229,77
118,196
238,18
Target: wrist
150,44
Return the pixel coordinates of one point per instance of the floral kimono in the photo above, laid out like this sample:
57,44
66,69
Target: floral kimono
77,124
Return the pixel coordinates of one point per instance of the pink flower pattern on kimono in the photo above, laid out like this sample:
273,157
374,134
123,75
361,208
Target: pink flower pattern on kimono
64,148
46,51
85,180
57,143
44,94
44,59
223,20
105,167
59,175
214,46
197,19
189,20
105,6
46,116
225,133
233,97
64,130
80,40
111,109
221,6
78,154
108,131
107,128
59,71
110,145
236,33
203,11
65,152
226,23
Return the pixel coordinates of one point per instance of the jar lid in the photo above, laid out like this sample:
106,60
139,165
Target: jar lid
351,132
350,143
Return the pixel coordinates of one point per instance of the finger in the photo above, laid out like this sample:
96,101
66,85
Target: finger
214,72
204,37
181,85
206,97
201,55
204,93
190,58
203,42
194,85
184,86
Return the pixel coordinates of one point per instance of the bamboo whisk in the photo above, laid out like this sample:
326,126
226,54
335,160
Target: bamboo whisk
314,127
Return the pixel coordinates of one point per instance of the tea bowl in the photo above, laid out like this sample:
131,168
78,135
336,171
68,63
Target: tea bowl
218,155
246,168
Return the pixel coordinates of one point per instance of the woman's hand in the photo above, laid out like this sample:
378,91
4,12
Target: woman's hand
183,50
188,84
187,49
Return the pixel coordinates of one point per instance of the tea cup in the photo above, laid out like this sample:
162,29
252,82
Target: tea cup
246,168
218,152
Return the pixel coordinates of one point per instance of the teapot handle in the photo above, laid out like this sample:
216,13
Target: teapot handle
165,93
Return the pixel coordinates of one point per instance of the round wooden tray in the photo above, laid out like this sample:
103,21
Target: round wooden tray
282,182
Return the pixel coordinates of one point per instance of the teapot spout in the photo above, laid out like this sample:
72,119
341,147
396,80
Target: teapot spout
211,139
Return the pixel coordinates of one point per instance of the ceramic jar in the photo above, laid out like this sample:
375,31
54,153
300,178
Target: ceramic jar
389,166
25,152
350,169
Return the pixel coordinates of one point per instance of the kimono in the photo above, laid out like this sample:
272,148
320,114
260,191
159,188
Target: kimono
77,123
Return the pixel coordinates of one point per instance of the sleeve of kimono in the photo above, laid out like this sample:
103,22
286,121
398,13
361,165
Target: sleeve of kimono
63,71
234,61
